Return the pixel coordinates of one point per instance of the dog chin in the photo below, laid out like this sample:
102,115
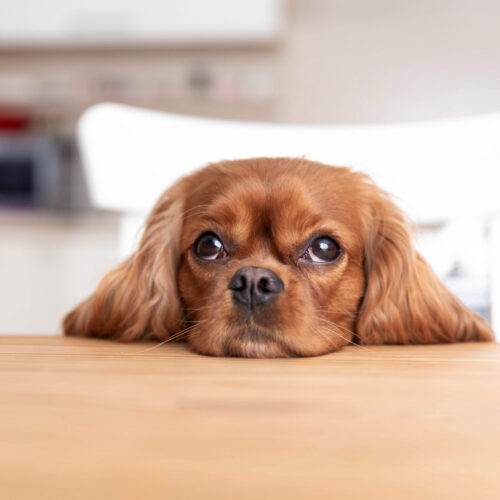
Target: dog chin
256,348
246,342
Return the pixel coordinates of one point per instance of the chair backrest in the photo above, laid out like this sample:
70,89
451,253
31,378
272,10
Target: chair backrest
436,170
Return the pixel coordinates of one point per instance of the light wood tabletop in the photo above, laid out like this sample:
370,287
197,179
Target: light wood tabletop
90,419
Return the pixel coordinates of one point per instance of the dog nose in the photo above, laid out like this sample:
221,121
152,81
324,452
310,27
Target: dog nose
254,286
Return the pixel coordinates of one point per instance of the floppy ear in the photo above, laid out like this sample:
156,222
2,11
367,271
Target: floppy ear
139,298
404,302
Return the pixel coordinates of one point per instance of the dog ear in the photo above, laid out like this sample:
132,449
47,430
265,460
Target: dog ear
404,302
139,299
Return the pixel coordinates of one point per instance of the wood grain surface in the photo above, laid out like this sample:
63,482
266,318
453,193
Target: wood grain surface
90,419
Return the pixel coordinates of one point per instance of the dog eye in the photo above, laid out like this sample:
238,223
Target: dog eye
323,249
209,247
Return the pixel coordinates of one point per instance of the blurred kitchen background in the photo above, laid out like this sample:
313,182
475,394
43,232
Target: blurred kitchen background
300,61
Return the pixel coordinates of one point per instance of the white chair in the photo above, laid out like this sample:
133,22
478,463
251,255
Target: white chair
438,171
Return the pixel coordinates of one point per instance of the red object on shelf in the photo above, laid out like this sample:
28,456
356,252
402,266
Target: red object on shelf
14,120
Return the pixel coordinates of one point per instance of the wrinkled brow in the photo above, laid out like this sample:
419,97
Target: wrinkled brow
284,227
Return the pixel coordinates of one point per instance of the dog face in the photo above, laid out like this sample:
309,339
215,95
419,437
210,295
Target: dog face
272,265
273,258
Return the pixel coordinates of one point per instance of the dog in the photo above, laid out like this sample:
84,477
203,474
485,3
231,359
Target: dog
275,257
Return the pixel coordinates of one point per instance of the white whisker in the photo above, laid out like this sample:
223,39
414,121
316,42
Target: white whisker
176,336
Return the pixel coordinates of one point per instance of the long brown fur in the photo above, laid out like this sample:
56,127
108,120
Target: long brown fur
381,291
138,300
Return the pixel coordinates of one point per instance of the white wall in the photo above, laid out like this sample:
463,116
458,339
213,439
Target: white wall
74,22
348,61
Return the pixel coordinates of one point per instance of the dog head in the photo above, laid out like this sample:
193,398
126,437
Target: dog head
275,257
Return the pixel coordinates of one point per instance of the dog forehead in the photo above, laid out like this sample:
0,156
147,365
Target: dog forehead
255,202
250,202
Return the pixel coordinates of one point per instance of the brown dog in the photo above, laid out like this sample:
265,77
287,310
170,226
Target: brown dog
275,257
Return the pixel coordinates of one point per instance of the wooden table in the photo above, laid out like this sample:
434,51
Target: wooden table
82,419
